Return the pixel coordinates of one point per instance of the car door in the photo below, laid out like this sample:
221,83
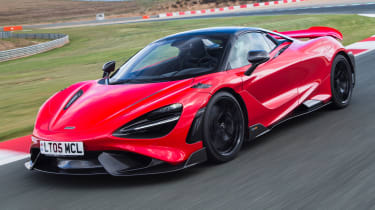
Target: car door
272,84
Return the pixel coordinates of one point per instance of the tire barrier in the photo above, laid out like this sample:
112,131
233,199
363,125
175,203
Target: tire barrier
58,40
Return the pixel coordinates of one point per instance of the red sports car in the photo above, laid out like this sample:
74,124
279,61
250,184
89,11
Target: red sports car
188,98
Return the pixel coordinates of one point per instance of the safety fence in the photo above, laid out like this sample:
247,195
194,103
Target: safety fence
5,35
58,40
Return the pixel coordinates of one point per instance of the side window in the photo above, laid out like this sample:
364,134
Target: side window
245,43
258,42
270,42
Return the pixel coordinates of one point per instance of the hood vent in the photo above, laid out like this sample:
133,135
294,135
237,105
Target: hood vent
73,99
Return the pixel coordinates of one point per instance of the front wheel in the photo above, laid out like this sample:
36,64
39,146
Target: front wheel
341,82
223,127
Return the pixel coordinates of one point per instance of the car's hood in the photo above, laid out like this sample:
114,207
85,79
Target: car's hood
99,103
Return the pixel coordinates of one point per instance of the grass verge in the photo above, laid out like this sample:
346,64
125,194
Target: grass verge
26,83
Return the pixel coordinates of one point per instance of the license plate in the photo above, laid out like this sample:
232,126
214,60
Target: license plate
61,148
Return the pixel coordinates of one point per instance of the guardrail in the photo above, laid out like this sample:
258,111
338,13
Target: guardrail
5,35
58,40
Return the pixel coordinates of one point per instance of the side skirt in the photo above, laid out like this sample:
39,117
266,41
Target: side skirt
307,107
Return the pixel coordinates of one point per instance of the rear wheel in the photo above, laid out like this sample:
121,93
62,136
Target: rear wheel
224,127
341,82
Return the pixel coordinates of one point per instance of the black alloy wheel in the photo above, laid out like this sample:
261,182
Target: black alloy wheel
341,82
223,127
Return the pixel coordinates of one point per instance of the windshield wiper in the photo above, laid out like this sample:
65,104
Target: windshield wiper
171,76
120,82
131,81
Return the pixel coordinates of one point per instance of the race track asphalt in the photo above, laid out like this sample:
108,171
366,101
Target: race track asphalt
324,160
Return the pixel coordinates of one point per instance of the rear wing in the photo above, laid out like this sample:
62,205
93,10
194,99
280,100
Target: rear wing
313,32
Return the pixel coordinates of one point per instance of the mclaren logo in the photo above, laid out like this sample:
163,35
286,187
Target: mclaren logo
69,128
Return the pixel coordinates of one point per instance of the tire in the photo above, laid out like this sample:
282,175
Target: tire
341,82
223,127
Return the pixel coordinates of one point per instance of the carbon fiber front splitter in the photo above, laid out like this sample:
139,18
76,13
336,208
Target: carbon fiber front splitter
109,162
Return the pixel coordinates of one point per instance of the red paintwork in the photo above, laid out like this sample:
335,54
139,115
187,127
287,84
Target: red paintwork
270,93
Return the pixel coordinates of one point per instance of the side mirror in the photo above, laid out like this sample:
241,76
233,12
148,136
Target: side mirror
256,57
107,69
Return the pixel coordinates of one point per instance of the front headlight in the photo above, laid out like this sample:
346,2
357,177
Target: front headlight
154,124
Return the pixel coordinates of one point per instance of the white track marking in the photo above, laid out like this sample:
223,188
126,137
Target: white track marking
367,15
8,156
362,45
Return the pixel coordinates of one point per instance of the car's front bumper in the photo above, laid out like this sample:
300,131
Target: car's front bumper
116,163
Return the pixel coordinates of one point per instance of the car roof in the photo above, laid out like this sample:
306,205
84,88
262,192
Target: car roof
211,31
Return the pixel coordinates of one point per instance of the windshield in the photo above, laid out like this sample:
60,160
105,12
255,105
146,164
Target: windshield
173,59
